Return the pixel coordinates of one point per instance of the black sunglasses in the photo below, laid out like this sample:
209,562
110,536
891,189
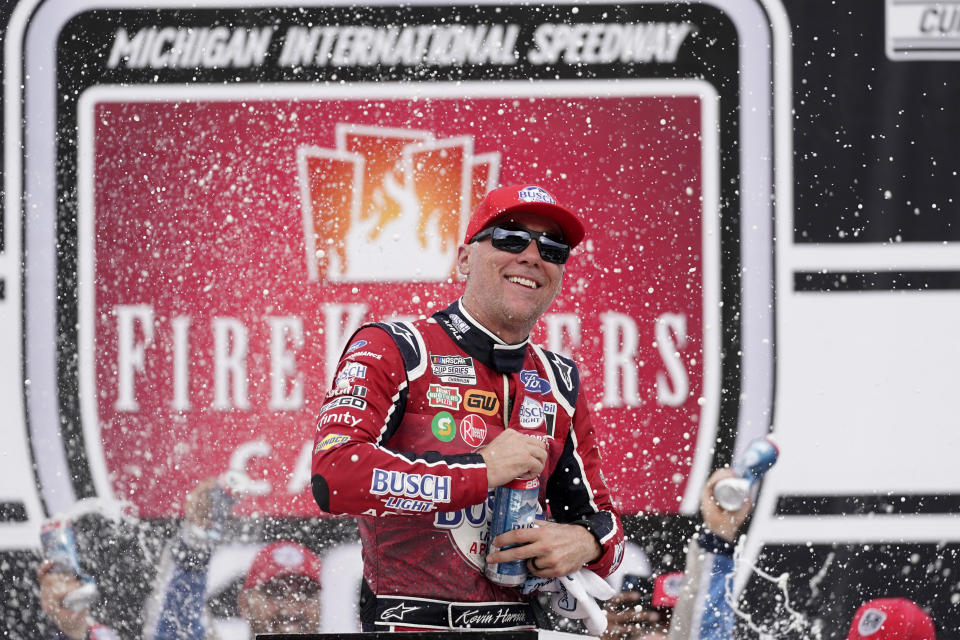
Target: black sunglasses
516,240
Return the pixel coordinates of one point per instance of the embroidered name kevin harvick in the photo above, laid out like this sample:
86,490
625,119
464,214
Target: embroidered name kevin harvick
406,462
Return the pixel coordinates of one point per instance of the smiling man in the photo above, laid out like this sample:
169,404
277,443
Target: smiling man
425,419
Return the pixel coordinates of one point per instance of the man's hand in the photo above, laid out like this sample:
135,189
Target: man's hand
197,508
722,523
513,455
552,549
628,620
54,586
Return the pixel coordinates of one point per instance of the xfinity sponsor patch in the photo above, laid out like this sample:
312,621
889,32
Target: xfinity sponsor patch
531,413
454,369
444,397
534,383
473,430
410,485
341,417
444,427
344,401
481,402
331,441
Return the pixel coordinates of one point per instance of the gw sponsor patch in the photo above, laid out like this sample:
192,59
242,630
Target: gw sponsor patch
331,441
531,413
533,383
473,430
344,401
444,397
453,369
481,402
410,485
444,427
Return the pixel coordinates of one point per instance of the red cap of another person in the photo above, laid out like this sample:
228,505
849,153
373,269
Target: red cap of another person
891,619
282,559
524,198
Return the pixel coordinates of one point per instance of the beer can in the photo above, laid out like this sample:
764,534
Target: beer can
760,455
515,506
60,546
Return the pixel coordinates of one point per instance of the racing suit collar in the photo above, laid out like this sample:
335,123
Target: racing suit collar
479,342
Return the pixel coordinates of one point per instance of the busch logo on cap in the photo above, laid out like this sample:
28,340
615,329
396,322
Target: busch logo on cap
536,194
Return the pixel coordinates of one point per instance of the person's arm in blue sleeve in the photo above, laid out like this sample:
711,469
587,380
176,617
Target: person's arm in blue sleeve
176,610
704,609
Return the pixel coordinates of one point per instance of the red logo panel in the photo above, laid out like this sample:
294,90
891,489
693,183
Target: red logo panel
240,242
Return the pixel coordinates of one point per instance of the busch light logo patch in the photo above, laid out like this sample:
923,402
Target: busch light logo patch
536,194
356,345
533,383
459,323
331,441
425,486
350,371
453,369
469,531
444,397
531,413
473,430
871,621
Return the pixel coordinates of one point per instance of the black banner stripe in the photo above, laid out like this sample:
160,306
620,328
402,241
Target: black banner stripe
887,504
13,512
834,281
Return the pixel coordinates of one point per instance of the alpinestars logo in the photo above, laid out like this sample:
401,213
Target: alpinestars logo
383,193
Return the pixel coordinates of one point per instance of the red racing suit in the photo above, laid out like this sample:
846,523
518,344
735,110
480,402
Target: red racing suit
397,441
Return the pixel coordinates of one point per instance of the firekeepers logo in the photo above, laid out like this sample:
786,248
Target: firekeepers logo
381,184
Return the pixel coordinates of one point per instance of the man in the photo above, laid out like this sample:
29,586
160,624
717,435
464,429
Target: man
281,592
891,619
705,612
424,419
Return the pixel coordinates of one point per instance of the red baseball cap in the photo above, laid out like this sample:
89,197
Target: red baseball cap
891,619
527,198
282,559
666,589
